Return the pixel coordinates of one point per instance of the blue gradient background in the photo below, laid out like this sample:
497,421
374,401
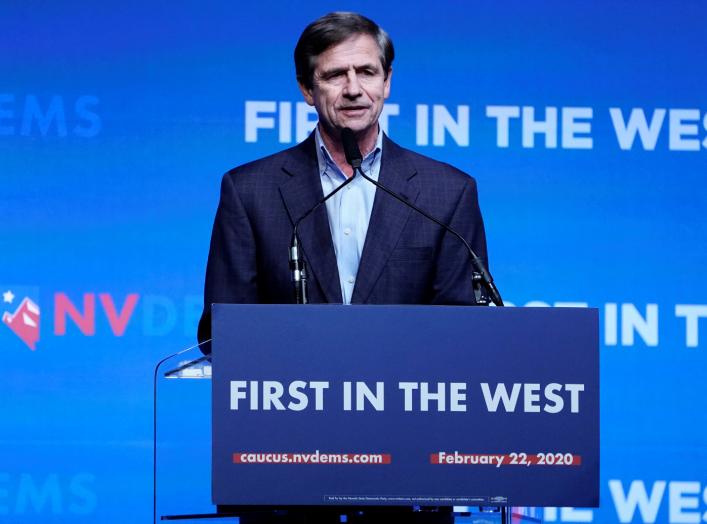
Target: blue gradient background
129,210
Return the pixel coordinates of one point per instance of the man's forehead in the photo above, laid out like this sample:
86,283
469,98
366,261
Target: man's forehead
359,50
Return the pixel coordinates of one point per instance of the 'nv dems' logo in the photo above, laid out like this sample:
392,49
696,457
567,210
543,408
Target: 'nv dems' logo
20,312
23,320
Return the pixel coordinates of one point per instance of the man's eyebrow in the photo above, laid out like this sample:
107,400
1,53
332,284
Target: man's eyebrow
333,71
337,70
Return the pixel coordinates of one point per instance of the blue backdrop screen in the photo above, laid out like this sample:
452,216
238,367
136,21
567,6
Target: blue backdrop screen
585,125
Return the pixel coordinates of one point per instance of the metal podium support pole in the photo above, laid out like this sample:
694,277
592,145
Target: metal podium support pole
505,515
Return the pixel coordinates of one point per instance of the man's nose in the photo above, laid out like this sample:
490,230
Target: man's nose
352,89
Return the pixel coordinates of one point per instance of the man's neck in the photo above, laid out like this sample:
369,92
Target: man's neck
366,143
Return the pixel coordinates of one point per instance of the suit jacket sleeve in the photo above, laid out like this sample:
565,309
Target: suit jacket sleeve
231,270
452,282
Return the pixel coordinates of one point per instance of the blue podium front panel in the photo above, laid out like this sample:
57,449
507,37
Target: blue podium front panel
405,405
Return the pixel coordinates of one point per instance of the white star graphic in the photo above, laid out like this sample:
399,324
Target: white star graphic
8,297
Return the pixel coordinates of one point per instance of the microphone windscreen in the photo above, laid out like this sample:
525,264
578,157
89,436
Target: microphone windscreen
351,150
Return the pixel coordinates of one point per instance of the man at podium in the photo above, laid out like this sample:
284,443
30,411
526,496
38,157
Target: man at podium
362,246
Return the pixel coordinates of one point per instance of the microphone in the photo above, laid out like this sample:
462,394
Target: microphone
351,150
298,268
480,275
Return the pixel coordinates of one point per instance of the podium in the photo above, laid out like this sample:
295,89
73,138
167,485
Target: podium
365,406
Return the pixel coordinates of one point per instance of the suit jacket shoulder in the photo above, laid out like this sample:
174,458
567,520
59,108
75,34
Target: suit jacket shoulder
430,170
270,168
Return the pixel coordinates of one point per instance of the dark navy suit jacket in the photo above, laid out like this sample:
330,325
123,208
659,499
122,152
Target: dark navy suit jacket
406,258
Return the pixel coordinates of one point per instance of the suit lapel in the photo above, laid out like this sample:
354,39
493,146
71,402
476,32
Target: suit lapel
388,218
300,193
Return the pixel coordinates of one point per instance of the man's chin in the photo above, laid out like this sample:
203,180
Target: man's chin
357,126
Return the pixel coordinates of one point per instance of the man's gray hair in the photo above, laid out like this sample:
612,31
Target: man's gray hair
330,30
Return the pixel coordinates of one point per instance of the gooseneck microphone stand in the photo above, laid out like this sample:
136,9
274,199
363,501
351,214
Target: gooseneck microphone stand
481,278
298,267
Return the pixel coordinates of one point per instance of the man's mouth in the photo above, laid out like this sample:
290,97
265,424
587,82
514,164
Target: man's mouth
352,109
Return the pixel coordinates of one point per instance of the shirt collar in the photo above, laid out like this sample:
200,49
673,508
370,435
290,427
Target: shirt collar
325,160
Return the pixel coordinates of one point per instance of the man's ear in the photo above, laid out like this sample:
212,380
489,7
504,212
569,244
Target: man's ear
306,93
386,86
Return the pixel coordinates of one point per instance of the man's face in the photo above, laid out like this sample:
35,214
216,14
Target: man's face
349,86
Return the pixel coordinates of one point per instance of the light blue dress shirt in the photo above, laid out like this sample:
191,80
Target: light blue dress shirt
349,210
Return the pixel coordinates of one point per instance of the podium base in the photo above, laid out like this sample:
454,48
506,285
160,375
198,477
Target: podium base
337,515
